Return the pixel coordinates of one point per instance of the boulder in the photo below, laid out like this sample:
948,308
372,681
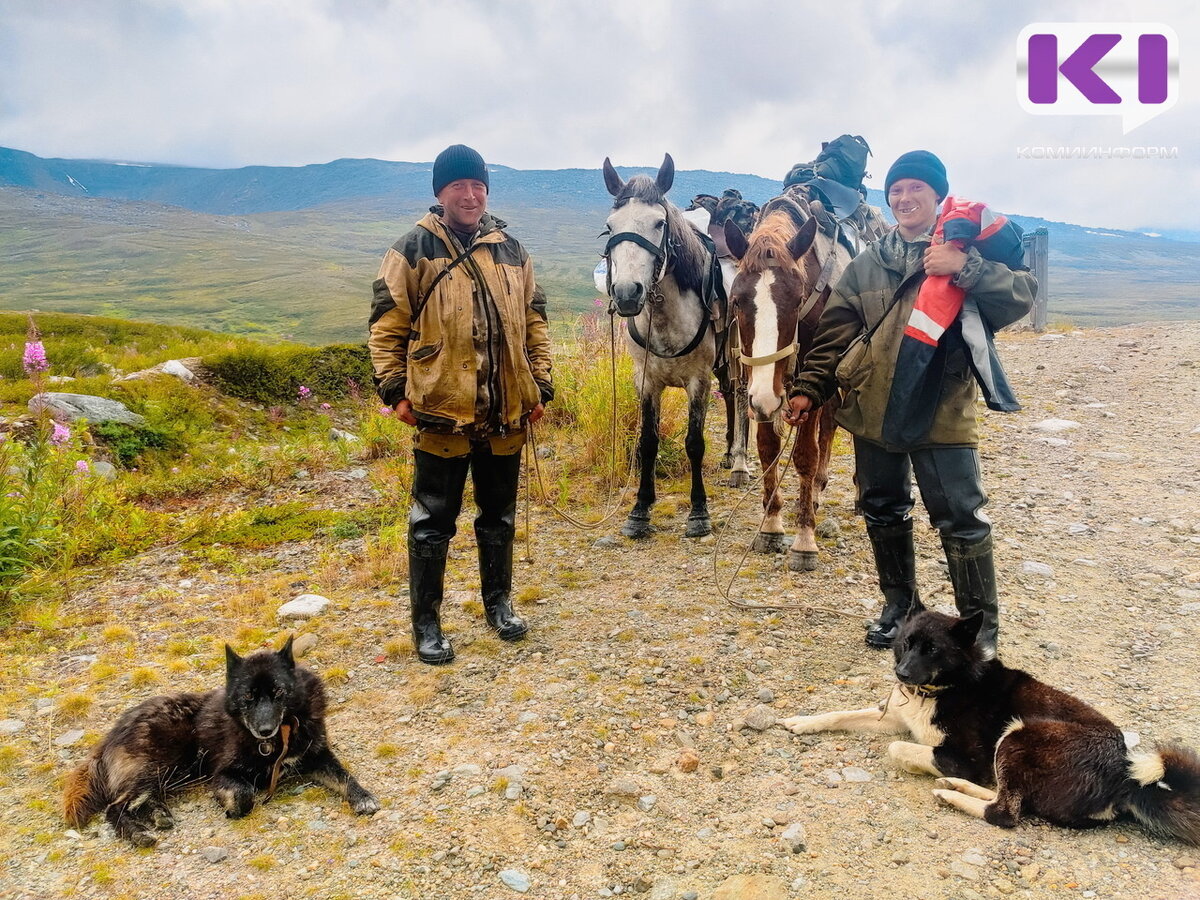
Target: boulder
69,407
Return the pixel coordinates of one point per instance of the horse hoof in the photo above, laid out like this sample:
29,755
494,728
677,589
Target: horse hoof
698,527
802,560
739,479
726,461
637,528
769,542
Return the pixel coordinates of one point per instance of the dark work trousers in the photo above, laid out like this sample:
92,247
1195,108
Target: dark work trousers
949,478
437,496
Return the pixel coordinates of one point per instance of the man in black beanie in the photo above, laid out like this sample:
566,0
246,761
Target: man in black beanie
853,362
460,348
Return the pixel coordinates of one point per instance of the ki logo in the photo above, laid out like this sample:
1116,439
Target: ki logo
1130,69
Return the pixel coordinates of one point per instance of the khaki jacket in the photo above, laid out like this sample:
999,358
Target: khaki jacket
891,269
432,361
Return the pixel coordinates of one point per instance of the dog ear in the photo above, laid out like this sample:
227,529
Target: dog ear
285,652
916,607
967,629
233,662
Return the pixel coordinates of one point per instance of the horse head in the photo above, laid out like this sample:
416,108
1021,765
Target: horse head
641,228
776,274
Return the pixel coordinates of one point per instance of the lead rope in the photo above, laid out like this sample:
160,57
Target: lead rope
531,449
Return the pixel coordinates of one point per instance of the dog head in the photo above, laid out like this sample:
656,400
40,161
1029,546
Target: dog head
937,650
260,688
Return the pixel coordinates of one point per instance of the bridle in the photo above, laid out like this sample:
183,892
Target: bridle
792,350
662,254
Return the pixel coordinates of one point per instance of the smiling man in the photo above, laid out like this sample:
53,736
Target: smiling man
854,360
461,351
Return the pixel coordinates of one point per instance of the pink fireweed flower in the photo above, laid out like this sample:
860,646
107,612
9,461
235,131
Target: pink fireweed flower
385,410
82,467
35,361
599,301
304,393
326,406
61,434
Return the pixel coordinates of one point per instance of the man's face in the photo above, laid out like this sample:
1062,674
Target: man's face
464,202
914,204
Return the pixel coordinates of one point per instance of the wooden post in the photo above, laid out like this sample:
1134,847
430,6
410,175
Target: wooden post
1037,256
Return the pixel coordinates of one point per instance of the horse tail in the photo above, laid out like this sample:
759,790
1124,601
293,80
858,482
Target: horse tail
1166,792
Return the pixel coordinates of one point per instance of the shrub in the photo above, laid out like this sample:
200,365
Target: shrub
128,442
263,374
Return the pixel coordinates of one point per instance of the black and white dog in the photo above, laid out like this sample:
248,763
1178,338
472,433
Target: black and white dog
977,723
268,722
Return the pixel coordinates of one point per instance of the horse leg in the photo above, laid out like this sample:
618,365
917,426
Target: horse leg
638,523
770,537
698,523
802,557
737,428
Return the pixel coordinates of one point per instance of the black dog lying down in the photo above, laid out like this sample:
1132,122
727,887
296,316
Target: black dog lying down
979,723
268,722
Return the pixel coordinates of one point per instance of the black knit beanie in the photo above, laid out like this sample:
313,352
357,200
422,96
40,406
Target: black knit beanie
455,162
921,165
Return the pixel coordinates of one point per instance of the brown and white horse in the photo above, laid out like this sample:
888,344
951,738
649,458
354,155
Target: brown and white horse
785,272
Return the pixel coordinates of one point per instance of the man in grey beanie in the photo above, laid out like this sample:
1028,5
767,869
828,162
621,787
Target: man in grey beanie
460,348
853,363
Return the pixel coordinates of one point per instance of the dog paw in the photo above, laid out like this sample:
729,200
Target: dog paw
365,805
143,838
799,724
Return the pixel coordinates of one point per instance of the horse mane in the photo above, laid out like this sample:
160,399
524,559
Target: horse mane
688,257
769,241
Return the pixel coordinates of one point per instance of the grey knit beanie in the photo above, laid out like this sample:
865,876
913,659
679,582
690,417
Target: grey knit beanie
455,162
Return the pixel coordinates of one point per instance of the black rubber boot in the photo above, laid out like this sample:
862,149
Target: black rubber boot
495,575
496,479
973,574
426,574
895,561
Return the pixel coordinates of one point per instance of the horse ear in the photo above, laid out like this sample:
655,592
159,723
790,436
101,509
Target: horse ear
612,180
666,173
802,240
735,240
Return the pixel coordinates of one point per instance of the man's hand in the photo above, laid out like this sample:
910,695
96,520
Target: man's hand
537,412
404,412
944,259
796,412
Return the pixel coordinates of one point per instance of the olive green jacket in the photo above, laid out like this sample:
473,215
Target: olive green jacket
891,269
432,360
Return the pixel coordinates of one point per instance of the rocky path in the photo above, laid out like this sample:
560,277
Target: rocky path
628,747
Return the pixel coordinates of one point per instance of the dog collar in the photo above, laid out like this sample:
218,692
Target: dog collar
926,690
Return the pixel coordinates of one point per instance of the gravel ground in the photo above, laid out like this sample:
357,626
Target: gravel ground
628,747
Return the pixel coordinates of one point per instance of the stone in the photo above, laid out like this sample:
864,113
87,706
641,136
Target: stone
181,369
582,818
766,695
105,470
1029,567
974,857
606,543
515,879
688,760
303,607
663,889
11,726
795,838
623,787
1054,426
68,738
70,407
854,774
645,804
761,718
751,887
214,854
304,645
336,434
705,718
468,769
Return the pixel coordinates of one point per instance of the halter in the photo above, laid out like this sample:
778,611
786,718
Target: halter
713,286
661,252
793,349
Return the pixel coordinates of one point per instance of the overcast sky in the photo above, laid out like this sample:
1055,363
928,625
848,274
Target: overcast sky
736,85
